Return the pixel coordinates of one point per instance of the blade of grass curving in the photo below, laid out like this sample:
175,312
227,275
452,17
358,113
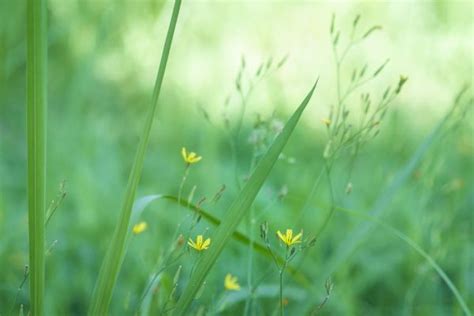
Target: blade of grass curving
36,73
238,209
415,247
115,253
141,203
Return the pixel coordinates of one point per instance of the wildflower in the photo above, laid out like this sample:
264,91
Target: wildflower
326,121
139,228
200,243
230,283
190,157
288,238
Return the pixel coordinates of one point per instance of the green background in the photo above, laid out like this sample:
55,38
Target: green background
103,57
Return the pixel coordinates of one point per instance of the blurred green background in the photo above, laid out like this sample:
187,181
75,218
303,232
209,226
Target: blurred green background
103,57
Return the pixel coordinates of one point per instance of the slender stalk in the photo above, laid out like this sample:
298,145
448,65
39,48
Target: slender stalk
36,73
250,221
282,271
309,197
281,293
183,180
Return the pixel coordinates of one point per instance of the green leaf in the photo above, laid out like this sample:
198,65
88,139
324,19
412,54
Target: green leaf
238,209
36,73
116,251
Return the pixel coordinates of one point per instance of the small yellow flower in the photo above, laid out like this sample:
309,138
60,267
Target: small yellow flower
139,228
326,121
190,157
288,238
230,283
200,243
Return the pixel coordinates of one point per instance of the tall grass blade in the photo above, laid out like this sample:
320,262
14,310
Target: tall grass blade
36,73
116,251
418,249
238,210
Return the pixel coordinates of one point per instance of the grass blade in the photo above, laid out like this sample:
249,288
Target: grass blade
116,251
238,209
36,73
418,249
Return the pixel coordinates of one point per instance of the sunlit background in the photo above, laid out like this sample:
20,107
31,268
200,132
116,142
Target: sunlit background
103,59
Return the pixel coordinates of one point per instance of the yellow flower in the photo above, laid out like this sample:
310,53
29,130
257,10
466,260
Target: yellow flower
230,283
326,122
288,238
200,243
190,157
139,228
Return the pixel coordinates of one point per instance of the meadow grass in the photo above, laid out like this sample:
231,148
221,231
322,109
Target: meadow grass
238,209
185,238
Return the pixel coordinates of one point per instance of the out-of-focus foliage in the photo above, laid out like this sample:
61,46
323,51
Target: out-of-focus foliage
103,57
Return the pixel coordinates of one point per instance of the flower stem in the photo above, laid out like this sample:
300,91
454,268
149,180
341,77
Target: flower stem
281,293
282,271
181,185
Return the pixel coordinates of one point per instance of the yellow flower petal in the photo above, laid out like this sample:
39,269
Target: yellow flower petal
183,153
230,283
190,157
199,240
297,238
191,243
281,236
139,228
206,244
200,244
288,238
